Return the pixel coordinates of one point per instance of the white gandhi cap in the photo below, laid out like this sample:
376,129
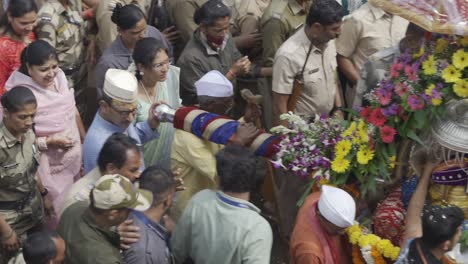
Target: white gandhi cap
214,84
121,85
337,206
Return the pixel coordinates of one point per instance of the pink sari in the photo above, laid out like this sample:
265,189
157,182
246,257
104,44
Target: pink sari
55,115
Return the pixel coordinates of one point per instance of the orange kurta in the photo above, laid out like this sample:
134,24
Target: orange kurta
305,245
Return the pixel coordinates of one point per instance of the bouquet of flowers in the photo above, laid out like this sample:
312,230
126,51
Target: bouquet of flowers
332,150
418,87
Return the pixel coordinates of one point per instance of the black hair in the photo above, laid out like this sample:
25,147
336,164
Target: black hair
236,168
17,8
325,12
115,150
39,248
16,98
36,53
127,16
145,52
157,180
210,12
440,224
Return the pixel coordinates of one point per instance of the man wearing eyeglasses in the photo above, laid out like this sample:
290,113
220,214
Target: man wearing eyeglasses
117,110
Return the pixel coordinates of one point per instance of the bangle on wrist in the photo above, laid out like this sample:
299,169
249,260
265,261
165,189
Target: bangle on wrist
42,143
232,73
3,238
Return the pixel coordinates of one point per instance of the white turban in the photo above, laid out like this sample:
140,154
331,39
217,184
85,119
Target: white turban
337,206
214,84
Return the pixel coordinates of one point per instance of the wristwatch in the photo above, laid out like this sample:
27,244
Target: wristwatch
45,192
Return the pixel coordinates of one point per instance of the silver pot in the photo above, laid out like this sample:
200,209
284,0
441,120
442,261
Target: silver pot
165,113
451,131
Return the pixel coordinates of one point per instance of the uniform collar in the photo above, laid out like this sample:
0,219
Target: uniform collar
60,9
306,43
377,12
7,139
296,8
230,201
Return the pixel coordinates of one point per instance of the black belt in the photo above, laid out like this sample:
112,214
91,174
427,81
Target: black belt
19,204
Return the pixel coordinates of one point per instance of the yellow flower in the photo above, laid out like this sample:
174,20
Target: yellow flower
373,239
354,228
349,131
461,88
395,253
451,74
464,41
364,155
354,237
430,65
419,54
460,59
388,251
383,244
363,136
436,101
362,125
340,165
364,241
441,45
428,90
342,148
392,162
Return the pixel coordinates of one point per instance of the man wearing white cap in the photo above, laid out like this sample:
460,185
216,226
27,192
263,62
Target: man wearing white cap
86,229
320,225
196,157
118,107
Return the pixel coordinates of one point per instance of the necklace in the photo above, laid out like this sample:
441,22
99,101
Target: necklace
146,92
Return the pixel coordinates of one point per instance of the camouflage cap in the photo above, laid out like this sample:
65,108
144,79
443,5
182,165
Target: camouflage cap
117,192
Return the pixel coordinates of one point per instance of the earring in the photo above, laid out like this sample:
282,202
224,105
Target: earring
141,73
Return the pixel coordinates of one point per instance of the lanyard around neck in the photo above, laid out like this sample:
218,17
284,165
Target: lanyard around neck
231,202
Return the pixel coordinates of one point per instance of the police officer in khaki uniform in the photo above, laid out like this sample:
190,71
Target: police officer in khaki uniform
312,46
279,21
21,206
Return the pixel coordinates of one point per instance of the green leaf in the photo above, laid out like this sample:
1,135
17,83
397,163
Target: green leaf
464,241
305,193
414,137
420,118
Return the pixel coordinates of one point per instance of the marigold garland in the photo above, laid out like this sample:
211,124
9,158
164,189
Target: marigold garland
357,258
380,248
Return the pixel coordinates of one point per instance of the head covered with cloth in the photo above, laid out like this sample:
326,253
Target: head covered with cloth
215,93
336,210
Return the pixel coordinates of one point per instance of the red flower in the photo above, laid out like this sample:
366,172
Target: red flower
388,134
365,112
377,118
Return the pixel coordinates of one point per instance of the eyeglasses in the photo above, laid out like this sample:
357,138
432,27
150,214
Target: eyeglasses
158,66
125,113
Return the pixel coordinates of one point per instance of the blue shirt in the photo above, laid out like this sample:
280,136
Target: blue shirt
100,130
152,247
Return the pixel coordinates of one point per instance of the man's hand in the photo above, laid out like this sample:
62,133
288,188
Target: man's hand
153,119
129,234
91,52
171,34
179,181
241,66
11,242
245,134
249,40
252,113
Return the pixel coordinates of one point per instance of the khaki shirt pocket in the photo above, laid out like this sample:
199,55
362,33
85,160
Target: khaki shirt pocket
10,175
313,80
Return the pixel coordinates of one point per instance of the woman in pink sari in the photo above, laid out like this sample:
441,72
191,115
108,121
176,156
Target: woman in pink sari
58,126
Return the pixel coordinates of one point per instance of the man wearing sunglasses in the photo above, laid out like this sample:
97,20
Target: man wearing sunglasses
117,110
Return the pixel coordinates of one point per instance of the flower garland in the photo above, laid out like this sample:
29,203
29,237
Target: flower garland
373,249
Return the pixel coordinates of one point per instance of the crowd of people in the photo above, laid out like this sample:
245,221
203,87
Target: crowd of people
89,173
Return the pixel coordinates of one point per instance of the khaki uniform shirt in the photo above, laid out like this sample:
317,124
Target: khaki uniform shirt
18,166
280,20
64,30
85,240
318,95
368,30
107,30
246,15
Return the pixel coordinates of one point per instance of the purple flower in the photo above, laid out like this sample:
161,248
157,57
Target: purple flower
392,110
414,102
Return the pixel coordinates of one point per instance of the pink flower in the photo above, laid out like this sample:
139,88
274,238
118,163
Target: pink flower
414,102
377,118
401,89
395,70
388,134
411,73
365,112
384,97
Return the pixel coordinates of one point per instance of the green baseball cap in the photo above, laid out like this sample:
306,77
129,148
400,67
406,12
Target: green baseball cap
114,191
